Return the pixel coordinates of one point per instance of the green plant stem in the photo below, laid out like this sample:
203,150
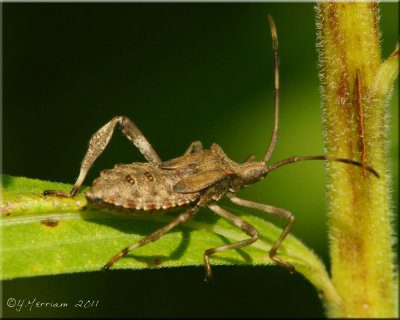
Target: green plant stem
355,117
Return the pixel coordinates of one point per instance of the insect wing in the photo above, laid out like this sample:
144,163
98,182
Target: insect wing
199,181
192,160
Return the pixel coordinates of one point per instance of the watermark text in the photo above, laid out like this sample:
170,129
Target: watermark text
34,303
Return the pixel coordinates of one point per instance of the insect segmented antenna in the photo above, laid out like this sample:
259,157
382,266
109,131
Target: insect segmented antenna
275,131
297,159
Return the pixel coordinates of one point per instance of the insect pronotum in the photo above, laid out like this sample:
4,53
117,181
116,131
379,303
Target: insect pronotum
196,179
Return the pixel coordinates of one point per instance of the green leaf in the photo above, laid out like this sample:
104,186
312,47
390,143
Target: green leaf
45,235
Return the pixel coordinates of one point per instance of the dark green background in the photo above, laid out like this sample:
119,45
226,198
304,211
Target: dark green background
181,72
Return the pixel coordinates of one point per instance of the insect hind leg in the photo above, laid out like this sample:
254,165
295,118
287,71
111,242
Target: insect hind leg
99,141
180,219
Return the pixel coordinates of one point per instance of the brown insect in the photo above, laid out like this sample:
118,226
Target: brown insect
196,179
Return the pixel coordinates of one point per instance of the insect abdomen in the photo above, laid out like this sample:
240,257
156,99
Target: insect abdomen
139,186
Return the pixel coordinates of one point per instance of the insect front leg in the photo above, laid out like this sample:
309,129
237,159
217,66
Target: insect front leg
180,219
283,213
195,146
246,227
99,142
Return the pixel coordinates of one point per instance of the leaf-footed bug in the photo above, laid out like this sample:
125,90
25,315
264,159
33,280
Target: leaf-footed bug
198,178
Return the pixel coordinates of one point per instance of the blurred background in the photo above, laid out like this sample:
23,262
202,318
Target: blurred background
181,72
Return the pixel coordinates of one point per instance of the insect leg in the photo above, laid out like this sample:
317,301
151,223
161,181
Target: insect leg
195,146
283,213
99,142
250,158
182,218
246,227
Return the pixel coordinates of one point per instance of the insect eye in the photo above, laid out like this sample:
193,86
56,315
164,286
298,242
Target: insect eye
256,173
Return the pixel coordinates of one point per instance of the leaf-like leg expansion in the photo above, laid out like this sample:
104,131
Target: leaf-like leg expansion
283,213
182,218
195,146
246,227
99,141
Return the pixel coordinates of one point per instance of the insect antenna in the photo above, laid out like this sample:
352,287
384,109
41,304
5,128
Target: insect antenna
297,159
275,131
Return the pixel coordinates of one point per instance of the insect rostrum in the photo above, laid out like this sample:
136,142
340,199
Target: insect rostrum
198,178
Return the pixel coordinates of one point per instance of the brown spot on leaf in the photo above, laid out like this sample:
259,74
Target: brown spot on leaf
50,222
157,262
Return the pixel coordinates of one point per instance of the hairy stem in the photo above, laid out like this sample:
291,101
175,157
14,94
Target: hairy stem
356,86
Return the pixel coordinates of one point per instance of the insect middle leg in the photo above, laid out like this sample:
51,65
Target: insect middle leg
246,227
99,141
180,219
283,213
